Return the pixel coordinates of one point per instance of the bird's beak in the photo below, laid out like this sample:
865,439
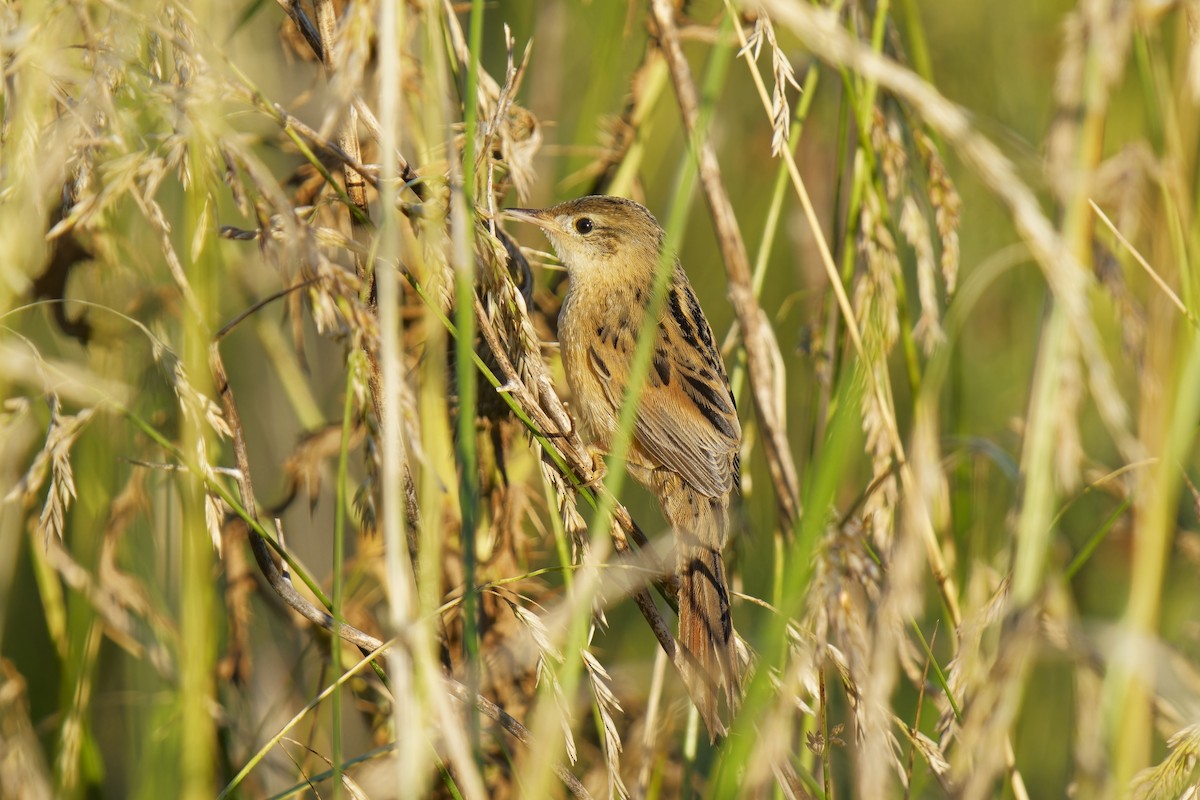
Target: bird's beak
534,216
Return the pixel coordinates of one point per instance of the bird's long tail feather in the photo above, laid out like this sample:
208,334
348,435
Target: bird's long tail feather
707,641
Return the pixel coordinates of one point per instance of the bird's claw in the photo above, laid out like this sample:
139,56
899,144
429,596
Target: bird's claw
599,468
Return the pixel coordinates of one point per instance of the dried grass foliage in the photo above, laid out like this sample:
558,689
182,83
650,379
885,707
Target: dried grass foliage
498,633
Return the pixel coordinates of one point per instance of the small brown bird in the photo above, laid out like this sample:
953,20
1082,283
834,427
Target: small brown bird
686,436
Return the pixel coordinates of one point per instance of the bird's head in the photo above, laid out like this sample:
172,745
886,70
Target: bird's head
598,233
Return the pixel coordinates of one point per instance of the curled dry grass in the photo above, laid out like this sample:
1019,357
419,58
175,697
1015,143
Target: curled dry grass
439,598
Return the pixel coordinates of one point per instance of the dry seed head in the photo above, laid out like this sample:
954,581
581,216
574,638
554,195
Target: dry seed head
214,515
783,75
607,706
932,754
507,302
537,630
195,405
334,300
1096,40
573,523
565,718
968,671
1068,98
800,676
63,432
1178,775
877,308
875,298
1109,31
879,509
888,141
979,756
913,225
182,21
899,600
944,198
517,128
845,586
439,278
754,41
520,139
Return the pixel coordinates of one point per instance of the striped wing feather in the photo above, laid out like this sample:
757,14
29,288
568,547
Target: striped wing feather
686,421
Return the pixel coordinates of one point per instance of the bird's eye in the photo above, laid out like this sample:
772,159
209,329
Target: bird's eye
584,225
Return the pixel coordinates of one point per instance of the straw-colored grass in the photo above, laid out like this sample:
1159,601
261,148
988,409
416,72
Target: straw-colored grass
293,499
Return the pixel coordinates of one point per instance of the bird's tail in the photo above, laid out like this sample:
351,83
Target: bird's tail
707,642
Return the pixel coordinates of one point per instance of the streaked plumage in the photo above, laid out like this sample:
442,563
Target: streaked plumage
686,435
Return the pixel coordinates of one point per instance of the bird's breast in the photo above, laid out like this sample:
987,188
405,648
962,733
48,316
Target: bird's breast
598,329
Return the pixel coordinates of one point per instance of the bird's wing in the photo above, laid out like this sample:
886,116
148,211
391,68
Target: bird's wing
686,418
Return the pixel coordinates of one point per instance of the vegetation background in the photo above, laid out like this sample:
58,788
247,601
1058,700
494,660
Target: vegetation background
958,309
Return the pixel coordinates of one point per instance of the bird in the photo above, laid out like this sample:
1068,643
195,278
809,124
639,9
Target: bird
686,435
